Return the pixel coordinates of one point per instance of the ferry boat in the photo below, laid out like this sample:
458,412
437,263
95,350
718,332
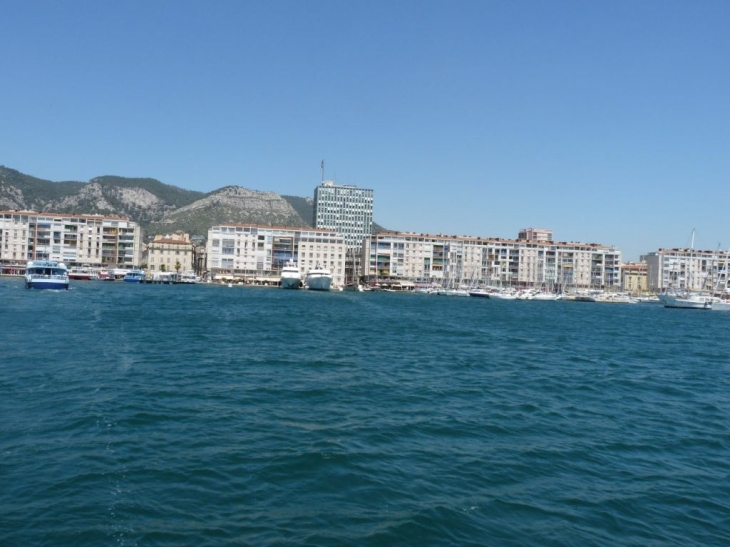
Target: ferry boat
318,279
290,276
42,274
134,276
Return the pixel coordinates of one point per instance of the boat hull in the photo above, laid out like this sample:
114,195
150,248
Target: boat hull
290,282
688,303
52,284
319,282
502,296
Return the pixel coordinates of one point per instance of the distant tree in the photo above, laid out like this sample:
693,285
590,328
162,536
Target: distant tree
178,266
163,268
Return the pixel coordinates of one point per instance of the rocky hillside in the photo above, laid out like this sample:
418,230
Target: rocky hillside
230,204
156,206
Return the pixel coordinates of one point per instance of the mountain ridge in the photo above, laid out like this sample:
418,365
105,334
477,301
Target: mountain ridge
154,205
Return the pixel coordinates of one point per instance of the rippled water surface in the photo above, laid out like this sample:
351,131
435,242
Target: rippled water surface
207,415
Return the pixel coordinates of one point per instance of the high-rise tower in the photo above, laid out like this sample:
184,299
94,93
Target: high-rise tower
346,209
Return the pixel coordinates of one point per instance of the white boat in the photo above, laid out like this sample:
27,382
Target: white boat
134,276
290,276
318,279
479,293
455,292
687,300
540,295
615,298
189,277
721,305
503,295
43,274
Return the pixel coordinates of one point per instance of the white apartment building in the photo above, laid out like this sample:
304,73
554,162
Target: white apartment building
348,210
491,261
686,269
250,251
76,240
170,253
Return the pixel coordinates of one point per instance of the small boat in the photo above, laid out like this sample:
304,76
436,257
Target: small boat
503,295
648,300
290,276
318,279
545,296
82,274
189,277
43,274
455,292
134,276
687,300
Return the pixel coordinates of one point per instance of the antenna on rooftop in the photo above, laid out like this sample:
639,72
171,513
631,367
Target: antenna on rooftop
322,170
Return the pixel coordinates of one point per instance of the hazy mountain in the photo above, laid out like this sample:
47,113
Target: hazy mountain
157,207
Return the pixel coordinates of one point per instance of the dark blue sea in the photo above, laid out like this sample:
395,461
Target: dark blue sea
199,415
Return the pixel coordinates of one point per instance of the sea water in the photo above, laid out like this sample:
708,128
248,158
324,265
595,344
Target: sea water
176,415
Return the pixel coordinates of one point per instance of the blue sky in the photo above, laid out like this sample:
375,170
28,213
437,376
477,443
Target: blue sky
607,122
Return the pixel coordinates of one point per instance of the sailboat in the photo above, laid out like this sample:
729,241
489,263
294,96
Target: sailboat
453,285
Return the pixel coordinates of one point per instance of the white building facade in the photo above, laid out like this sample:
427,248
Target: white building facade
491,261
250,251
348,210
686,269
88,240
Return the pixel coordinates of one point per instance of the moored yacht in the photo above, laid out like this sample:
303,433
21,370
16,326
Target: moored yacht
479,293
290,276
43,274
134,276
189,277
318,279
721,305
687,300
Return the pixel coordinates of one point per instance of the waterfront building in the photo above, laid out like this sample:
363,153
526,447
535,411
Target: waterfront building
634,278
346,209
256,253
473,261
76,240
686,269
170,253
